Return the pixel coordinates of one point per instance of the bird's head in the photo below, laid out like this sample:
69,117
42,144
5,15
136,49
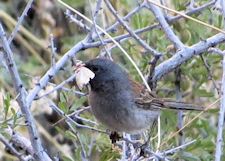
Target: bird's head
108,75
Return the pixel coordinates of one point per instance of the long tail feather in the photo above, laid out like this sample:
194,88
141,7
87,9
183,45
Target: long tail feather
181,105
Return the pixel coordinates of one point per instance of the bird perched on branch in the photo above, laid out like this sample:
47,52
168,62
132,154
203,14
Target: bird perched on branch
121,104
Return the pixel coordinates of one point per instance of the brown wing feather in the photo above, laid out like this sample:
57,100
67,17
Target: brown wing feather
148,100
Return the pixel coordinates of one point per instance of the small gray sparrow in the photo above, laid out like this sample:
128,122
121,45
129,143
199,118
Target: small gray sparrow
121,104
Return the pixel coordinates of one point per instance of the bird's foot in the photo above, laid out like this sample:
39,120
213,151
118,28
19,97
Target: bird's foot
114,137
144,148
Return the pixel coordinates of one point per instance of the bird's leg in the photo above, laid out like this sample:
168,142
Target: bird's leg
146,144
114,136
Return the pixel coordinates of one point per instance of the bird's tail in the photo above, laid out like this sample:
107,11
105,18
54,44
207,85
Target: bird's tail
159,103
170,104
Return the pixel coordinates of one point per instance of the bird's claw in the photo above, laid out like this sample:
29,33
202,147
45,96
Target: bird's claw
114,137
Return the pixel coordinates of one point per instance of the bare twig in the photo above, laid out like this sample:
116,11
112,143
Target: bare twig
57,87
135,36
11,148
165,26
53,49
188,17
113,27
221,116
22,93
210,74
20,20
75,20
153,64
52,71
219,141
71,121
149,28
184,55
94,28
162,155
75,92
216,50
180,113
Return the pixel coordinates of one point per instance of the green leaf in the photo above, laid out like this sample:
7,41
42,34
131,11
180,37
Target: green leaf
78,103
220,20
63,97
65,158
70,135
203,93
190,157
6,105
63,107
14,117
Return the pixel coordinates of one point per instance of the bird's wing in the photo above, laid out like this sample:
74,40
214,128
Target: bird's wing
149,101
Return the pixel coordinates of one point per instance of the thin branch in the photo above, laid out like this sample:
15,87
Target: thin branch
180,113
173,150
19,22
11,148
162,155
53,50
165,26
75,92
94,17
71,121
22,93
22,142
184,55
57,87
221,116
135,36
75,20
148,28
113,27
94,28
52,71
216,50
188,17
210,74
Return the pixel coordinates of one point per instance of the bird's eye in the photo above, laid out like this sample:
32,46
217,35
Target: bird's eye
95,69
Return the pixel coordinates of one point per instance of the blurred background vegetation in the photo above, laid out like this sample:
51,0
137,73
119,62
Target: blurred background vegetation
33,57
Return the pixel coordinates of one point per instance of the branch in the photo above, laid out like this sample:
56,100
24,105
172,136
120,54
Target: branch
53,50
58,87
113,27
16,29
94,26
135,36
219,140
165,26
69,120
162,155
11,148
210,74
180,113
75,20
22,93
221,117
148,28
53,71
184,55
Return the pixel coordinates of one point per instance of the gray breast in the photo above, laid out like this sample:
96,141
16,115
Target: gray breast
119,114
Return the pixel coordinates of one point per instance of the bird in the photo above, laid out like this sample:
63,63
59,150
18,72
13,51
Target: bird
121,104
